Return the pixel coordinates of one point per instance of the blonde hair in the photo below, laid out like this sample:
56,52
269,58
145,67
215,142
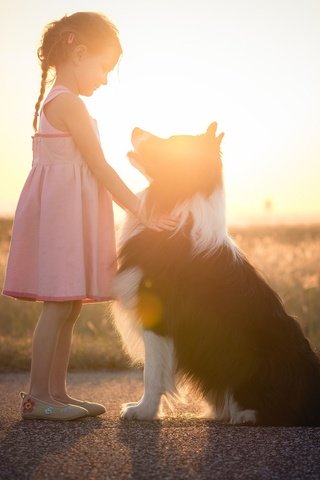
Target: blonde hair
59,38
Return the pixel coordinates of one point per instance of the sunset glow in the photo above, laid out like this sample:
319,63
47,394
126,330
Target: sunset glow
251,66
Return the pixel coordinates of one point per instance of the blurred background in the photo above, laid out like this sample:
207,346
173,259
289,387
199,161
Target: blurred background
253,66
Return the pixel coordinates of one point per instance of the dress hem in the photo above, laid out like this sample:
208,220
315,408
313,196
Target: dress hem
44,298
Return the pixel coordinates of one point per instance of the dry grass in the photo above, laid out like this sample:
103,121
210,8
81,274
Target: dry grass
288,257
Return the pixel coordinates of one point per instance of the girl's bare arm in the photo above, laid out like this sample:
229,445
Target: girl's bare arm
72,112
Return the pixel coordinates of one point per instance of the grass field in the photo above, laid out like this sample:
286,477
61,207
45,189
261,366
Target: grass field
288,257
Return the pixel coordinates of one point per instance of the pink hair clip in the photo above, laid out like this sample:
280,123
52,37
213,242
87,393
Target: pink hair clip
70,38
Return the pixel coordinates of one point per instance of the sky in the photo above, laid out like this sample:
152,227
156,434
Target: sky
251,65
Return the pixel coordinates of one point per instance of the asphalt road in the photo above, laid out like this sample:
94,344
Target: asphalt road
181,446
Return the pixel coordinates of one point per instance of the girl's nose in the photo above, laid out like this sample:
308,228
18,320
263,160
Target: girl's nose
105,80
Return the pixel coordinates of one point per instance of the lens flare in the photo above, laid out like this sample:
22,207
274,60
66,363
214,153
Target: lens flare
149,309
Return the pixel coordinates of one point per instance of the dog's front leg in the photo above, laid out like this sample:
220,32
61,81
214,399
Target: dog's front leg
157,375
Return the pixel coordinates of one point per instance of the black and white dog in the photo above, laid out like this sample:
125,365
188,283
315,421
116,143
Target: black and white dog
190,303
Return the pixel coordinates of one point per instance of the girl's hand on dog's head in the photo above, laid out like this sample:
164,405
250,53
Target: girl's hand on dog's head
158,223
162,223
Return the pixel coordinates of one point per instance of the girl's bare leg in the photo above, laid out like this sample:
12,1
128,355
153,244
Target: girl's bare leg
45,339
58,376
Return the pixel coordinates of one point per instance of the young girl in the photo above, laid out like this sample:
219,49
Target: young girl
63,243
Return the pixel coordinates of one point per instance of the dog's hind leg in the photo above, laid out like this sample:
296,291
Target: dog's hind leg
159,377
226,409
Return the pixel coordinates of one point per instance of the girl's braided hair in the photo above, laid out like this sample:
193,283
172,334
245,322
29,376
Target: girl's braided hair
59,38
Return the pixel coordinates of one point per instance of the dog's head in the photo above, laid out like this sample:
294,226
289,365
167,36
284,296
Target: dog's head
177,167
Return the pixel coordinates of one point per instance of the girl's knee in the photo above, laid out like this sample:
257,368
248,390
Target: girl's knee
59,310
63,312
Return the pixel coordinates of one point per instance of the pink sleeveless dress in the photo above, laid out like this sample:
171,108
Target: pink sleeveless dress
63,238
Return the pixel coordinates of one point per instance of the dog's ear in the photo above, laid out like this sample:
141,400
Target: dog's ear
211,131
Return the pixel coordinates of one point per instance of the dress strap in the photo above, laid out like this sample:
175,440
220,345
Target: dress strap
54,92
44,126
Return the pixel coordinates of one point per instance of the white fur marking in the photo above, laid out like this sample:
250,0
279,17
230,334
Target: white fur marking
209,225
125,286
159,377
230,411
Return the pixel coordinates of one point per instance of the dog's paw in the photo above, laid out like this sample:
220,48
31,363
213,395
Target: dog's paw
138,411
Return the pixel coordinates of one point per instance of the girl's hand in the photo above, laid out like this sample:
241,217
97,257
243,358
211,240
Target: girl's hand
157,223
162,223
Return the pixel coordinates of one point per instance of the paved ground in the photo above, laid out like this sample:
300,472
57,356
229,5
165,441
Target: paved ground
179,447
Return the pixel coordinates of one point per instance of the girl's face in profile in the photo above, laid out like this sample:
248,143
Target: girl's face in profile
92,70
